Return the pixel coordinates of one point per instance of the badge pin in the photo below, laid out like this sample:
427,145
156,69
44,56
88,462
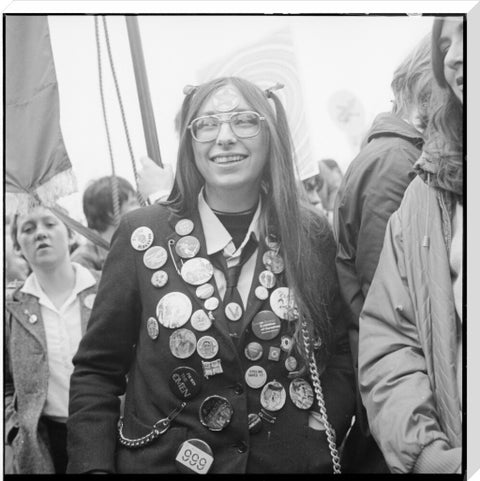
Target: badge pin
204,291
197,271
141,238
152,328
266,325
286,343
184,227
207,347
233,311
274,353
301,393
254,423
174,310
211,368
185,382
187,247
273,396
272,242
215,413
225,99
291,364
89,300
159,278
211,303
200,320
182,343
33,318
283,304
253,351
194,456
255,377
267,279
273,262
155,257
261,293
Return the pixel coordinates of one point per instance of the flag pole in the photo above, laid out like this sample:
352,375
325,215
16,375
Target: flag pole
143,90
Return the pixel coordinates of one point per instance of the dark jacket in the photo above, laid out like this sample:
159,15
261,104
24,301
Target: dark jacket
371,191
26,379
117,344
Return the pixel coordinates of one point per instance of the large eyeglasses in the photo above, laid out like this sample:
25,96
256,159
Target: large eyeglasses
243,124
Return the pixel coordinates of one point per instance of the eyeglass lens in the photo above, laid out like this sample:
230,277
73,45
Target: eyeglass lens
243,125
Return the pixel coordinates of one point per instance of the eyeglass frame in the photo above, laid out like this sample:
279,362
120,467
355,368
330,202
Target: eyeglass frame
260,117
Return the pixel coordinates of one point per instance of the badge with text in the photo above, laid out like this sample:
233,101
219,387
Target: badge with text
141,238
253,351
200,320
184,227
152,328
174,310
283,304
194,457
197,271
155,257
266,325
183,343
159,278
207,347
301,393
255,377
187,247
215,413
211,368
273,396
185,382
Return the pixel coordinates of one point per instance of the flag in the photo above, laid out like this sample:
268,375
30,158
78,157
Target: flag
265,63
37,163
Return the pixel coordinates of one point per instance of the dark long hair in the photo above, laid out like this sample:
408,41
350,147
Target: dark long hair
307,243
444,137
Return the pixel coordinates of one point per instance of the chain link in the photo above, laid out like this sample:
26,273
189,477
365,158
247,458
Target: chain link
331,438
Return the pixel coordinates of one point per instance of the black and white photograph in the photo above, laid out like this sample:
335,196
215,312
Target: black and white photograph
234,238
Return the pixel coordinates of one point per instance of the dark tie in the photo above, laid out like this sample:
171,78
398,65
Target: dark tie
231,276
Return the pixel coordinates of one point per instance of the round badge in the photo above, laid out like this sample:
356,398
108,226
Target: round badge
225,99
254,423
174,310
187,247
89,300
255,377
197,271
159,278
283,304
194,456
185,382
211,303
273,262
233,311
301,393
253,351
207,347
272,241
141,238
273,396
267,279
266,325
200,320
155,257
152,327
291,364
286,343
184,227
261,293
205,291
182,343
215,413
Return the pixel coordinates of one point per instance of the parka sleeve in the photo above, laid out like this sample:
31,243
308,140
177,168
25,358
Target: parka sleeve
103,360
394,384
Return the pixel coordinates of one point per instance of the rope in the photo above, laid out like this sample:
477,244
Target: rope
114,180
124,120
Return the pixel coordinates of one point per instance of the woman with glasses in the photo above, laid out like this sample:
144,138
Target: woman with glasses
218,313
410,351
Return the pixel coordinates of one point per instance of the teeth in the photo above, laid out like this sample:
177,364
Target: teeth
227,159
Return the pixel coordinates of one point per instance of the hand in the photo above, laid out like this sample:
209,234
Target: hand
153,178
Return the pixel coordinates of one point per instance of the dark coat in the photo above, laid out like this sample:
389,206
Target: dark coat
26,380
117,344
371,191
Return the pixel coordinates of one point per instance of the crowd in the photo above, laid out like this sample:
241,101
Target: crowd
245,322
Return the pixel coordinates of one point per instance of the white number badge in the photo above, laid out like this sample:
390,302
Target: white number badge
194,456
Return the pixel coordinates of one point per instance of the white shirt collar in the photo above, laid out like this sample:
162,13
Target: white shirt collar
83,280
217,237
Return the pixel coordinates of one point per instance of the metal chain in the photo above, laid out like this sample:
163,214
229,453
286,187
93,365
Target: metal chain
320,400
114,180
141,200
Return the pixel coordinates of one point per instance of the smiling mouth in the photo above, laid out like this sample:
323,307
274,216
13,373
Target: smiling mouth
228,159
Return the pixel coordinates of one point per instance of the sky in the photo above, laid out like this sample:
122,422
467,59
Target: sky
356,55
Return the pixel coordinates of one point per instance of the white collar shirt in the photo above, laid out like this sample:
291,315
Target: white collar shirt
218,239
63,332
